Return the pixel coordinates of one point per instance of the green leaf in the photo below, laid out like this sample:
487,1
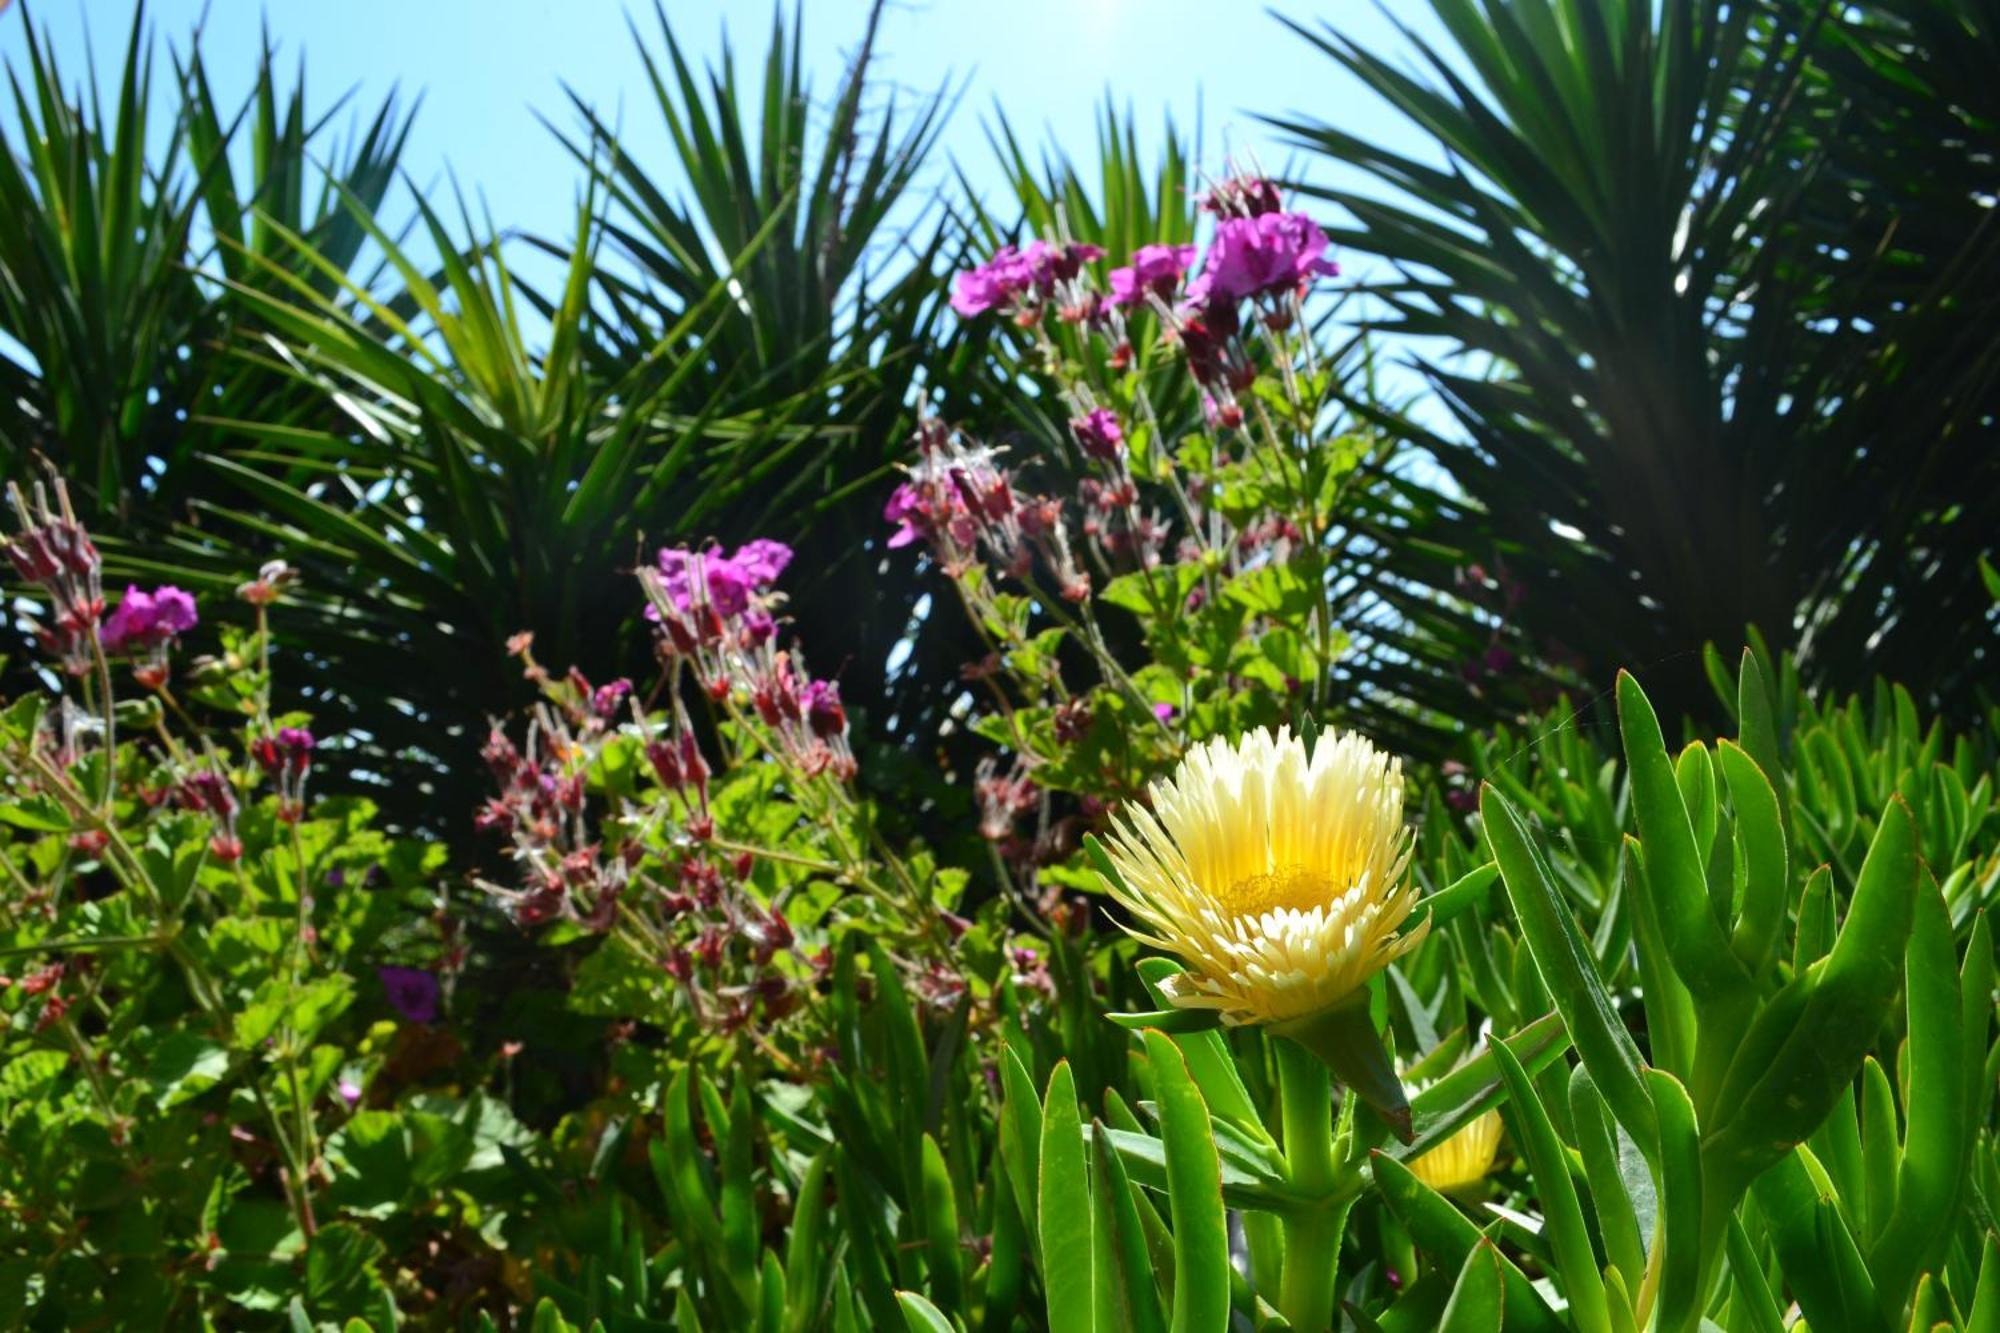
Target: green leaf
1569,970
1674,869
1681,1204
1201,1233
1475,1305
1440,1229
184,1065
1938,1139
1126,1283
1021,1135
940,1217
921,1316
1609,1193
1807,1044
1816,1252
1760,831
1063,1209
805,1246
1548,1162
1456,897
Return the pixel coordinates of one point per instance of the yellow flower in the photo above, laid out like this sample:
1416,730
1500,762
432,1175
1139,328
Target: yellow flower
1464,1158
1279,880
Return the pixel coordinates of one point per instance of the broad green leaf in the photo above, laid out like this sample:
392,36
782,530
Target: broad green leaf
1063,1209
1681,1205
1937,1139
941,1240
1807,1045
1021,1135
1126,1285
920,1316
1760,832
1674,867
1201,1233
1475,1305
1816,1251
1597,1146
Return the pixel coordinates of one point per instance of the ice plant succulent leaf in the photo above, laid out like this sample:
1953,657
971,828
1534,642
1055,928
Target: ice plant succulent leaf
1280,880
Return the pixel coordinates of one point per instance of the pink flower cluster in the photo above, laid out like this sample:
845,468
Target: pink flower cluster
714,608
728,582
53,550
285,756
146,620
807,718
207,791
715,613
1269,255
1155,271
1024,278
963,504
656,855
541,809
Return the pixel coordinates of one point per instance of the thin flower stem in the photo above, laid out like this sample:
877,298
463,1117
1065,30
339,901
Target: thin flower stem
773,854
78,944
110,725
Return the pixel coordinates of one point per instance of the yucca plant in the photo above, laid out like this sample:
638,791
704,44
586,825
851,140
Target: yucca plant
110,221
1706,365
835,309
479,486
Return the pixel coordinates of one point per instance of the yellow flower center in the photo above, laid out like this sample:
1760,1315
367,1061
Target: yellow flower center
1299,888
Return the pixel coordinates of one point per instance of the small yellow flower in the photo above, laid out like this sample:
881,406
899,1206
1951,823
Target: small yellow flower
1279,880
1464,1158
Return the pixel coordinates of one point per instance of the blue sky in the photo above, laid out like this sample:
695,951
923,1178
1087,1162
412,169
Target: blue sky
484,67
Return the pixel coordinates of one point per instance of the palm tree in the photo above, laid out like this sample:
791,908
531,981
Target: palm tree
1715,290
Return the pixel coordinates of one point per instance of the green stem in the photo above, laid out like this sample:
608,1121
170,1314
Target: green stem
1312,1232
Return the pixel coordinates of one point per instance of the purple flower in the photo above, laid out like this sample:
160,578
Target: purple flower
1154,268
412,992
1011,273
1098,433
604,701
1270,253
821,701
350,1091
904,506
728,579
144,619
1165,712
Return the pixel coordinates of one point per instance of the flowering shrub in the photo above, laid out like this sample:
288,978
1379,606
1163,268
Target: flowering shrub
191,1017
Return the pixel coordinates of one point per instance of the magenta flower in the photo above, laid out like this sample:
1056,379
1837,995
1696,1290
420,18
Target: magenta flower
1098,433
728,580
146,619
1013,273
605,699
1272,253
905,508
412,992
821,701
1154,268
